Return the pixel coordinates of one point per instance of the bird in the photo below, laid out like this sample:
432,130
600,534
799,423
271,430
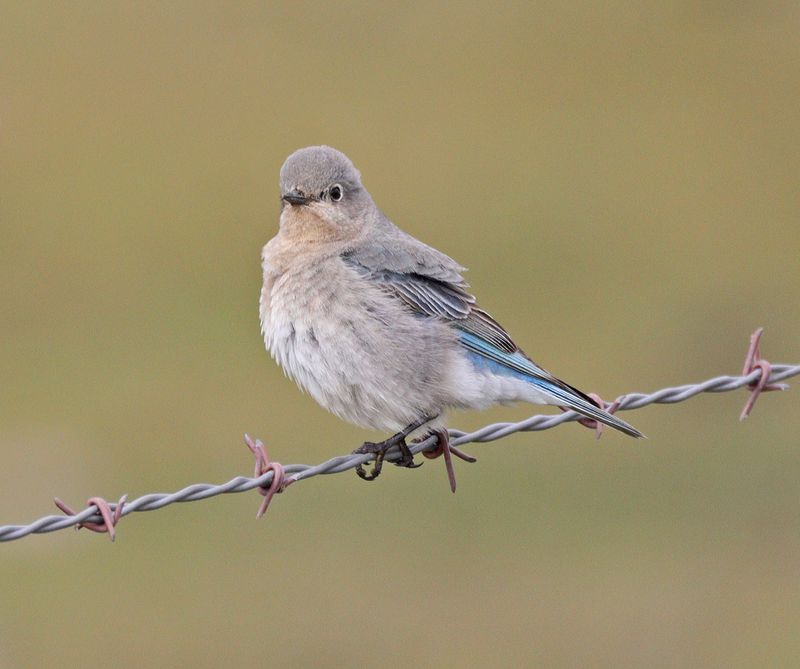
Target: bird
380,328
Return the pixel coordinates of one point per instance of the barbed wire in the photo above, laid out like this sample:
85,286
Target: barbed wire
758,376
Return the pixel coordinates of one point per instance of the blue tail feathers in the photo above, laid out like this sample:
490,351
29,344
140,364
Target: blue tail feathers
519,365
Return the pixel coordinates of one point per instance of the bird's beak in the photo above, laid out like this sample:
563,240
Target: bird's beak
294,196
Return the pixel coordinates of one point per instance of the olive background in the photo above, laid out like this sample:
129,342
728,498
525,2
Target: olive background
622,181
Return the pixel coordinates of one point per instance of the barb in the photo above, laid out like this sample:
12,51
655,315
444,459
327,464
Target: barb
752,362
264,465
761,376
110,519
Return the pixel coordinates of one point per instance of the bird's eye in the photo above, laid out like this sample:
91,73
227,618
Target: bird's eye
336,193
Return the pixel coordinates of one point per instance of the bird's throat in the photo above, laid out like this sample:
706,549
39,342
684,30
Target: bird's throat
306,225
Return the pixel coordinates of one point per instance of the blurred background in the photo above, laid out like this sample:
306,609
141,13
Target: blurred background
622,182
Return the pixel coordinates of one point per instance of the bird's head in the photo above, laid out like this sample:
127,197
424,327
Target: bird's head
321,189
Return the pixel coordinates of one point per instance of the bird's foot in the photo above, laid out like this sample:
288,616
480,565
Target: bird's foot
376,448
379,449
406,458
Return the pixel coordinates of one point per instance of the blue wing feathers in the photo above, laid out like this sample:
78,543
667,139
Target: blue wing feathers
483,353
435,289
515,361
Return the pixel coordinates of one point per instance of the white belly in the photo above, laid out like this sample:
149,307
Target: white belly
359,353
362,355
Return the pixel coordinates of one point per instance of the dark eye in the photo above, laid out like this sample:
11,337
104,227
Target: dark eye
336,193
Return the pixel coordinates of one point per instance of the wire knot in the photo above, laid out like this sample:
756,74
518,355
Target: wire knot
110,518
433,453
444,447
263,465
752,362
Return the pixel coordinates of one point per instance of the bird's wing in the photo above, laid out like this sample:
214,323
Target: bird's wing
389,248
422,294
564,394
430,284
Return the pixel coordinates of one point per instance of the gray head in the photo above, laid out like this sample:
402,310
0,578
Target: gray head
319,174
322,195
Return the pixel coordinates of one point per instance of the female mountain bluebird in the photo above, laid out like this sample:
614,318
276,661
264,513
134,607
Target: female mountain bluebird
378,327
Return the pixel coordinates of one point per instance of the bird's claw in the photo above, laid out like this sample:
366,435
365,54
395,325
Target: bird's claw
406,458
408,464
362,473
379,449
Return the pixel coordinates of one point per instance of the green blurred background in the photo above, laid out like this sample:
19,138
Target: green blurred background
622,181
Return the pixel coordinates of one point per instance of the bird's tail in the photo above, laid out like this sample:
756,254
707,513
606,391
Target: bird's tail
584,405
517,363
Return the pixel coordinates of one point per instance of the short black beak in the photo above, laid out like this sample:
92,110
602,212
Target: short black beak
294,196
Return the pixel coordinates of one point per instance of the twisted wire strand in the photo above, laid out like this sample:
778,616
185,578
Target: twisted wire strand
299,472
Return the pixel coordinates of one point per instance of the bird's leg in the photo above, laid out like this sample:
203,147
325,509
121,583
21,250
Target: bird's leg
380,448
